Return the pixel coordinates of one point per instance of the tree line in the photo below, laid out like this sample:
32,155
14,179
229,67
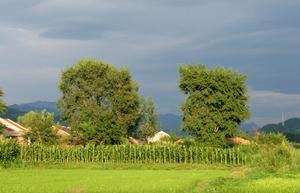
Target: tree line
101,104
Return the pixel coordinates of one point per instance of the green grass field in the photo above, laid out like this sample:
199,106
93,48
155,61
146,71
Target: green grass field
258,181
108,181
148,181
267,185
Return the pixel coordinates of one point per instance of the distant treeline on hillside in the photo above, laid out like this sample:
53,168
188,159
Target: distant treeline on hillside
14,111
170,123
290,128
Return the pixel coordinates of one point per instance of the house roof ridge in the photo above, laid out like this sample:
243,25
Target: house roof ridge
16,124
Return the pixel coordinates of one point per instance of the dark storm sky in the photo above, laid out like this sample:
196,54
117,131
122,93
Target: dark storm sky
39,38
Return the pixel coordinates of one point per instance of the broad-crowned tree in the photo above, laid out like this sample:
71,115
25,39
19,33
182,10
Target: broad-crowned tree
99,101
216,102
149,119
41,127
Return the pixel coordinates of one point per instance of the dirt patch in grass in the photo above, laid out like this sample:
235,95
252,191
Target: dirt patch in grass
239,172
75,190
201,186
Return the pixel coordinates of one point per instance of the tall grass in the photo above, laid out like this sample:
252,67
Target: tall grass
9,151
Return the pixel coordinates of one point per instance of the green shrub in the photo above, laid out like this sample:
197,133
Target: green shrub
189,141
275,156
270,138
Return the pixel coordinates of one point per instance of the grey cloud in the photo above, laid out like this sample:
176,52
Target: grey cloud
152,38
79,31
267,106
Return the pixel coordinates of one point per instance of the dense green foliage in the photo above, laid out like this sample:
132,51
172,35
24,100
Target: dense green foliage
1,128
271,150
9,151
40,125
149,119
2,104
100,181
216,102
270,138
99,101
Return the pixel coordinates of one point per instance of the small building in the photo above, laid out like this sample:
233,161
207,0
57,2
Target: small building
238,141
13,130
62,131
16,131
158,137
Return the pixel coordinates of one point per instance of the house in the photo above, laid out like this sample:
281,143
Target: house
13,130
134,141
16,131
158,136
238,140
62,131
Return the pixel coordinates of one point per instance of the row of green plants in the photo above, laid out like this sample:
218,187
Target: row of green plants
266,150
11,151
133,154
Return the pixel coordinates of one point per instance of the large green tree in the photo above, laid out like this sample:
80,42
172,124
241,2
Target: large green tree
41,127
99,101
149,119
2,104
216,101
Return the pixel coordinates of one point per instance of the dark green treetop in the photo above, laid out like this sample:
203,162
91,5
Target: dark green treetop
216,101
99,101
149,125
2,104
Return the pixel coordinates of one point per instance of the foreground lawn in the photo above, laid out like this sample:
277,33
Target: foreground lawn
258,182
108,181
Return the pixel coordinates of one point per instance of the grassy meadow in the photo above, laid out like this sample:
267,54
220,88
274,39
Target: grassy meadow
257,181
120,180
93,180
271,165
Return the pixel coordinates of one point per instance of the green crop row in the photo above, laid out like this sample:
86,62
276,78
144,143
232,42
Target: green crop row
133,154
10,151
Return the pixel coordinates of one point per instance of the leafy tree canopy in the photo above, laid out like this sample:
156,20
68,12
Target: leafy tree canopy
99,101
149,119
216,101
40,125
2,104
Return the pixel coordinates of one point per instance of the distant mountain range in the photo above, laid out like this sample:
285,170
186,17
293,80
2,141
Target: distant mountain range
168,122
291,125
290,128
248,127
37,106
12,113
16,110
171,123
